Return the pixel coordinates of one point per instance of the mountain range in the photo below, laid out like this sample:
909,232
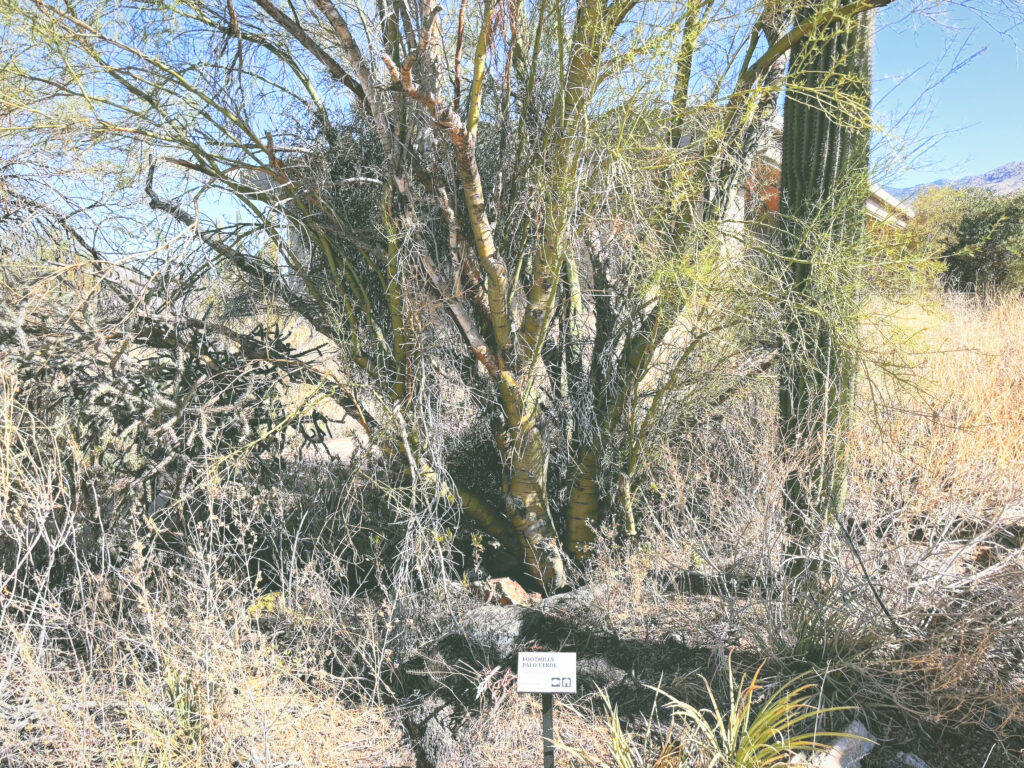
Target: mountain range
1004,180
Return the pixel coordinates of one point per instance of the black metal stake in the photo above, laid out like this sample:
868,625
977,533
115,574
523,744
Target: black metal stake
548,729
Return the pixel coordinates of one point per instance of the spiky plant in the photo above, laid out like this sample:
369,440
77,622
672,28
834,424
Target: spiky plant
826,138
753,728
742,733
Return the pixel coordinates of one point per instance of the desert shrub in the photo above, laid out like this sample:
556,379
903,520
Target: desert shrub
124,427
113,440
978,235
915,622
154,670
911,617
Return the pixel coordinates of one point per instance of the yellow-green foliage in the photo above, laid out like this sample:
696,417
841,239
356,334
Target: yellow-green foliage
977,235
753,728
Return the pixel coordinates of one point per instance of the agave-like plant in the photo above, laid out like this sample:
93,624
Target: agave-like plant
742,732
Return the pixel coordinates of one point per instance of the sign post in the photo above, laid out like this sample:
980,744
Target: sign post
547,674
547,728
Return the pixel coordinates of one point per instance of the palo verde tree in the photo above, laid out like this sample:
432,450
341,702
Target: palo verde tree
514,224
825,163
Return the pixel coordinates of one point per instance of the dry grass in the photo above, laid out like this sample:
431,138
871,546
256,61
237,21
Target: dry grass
937,485
961,436
936,514
507,734
161,663
191,681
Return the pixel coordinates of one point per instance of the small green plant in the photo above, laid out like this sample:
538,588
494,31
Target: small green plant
752,729
184,696
745,733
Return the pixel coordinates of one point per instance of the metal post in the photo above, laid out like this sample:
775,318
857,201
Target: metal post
548,729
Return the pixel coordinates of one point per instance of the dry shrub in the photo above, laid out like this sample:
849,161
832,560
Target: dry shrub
916,616
162,657
172,669
118,647
508,733
936,489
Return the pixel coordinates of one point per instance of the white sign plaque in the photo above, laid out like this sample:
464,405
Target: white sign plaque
546,673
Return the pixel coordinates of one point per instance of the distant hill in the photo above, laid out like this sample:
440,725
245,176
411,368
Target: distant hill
1004,180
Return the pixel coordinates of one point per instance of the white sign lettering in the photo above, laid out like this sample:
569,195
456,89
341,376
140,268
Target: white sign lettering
546,673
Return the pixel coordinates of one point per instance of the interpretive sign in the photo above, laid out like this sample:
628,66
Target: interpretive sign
547,673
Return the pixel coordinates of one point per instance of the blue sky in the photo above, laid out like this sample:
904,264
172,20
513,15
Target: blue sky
949,90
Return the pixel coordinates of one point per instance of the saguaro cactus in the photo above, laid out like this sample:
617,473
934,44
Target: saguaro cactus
824,186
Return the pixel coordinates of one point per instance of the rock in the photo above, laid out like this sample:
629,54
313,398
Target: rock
847,751
503,591
438,695
568,604
498,630
596,672
433,724
491,635
905,760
